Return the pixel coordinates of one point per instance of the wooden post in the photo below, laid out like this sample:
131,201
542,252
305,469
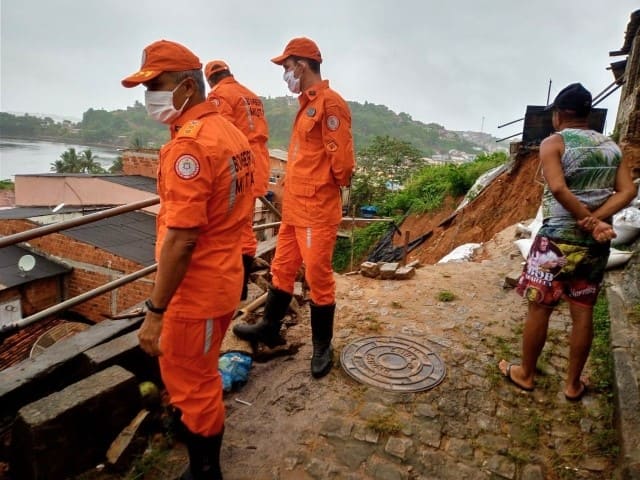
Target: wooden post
353,227
405,247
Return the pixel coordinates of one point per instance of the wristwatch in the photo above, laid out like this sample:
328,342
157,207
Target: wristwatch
152,308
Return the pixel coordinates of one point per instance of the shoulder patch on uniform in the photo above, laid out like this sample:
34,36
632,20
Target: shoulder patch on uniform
333,123
187,167
190,129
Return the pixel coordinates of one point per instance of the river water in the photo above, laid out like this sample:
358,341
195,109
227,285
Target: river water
32,156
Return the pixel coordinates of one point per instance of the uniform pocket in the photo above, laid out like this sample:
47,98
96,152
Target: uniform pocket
188,337
302,189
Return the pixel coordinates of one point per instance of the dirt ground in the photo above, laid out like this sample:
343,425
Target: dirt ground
276,423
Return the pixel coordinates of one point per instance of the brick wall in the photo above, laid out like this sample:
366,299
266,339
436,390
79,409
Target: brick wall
93,267
36,295
140,162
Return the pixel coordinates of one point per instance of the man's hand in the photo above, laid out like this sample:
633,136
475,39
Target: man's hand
149,334
603,232
588,223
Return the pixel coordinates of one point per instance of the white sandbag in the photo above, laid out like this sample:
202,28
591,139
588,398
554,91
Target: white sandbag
463,253
536,223
626,224
618,258
524,245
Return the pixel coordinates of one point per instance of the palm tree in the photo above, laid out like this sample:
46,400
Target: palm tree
89,163
71,162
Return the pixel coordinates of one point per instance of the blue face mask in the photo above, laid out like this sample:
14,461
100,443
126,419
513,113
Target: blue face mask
160,107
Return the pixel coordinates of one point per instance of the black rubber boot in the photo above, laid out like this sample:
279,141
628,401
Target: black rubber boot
247,262
267,330
321,334
204,457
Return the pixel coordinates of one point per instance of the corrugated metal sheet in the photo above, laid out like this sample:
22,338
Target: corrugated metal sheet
10,274
129,235
138,182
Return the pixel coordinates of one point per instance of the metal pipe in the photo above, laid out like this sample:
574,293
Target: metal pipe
510,136
7,330
595,99
602,98
509,123
74,222
265,226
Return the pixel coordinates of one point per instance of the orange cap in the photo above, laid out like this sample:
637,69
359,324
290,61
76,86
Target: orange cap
299,47
214,66
162,56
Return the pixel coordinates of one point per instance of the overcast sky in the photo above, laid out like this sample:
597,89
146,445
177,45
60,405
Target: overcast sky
453,62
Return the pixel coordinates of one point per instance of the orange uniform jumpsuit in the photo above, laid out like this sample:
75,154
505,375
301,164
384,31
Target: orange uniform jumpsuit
320,160
244,109
204,181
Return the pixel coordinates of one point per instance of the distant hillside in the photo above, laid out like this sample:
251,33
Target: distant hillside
370,121
133,127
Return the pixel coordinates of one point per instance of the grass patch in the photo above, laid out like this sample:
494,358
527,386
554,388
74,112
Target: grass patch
528,435
634,314
504,348
601,359
446,296
386,422
494,375
363,240
152,460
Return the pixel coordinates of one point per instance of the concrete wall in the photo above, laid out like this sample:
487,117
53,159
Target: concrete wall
49,191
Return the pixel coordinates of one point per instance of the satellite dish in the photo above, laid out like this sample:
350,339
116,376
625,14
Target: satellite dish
26,263
57,208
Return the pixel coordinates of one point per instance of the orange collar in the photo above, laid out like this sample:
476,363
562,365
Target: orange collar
312,92
197,111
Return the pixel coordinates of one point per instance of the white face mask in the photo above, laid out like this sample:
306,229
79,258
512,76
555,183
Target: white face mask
292,82
160,105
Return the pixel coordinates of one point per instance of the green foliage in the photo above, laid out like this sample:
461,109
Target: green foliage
6,184
116,166
71,162
117,128
363,240
427,190
446,296
601,357
369,121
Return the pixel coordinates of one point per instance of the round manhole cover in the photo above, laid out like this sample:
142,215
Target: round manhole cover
393,363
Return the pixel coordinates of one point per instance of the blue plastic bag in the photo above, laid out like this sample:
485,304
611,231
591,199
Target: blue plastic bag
234,369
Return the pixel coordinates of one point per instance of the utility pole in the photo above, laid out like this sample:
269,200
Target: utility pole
482,125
